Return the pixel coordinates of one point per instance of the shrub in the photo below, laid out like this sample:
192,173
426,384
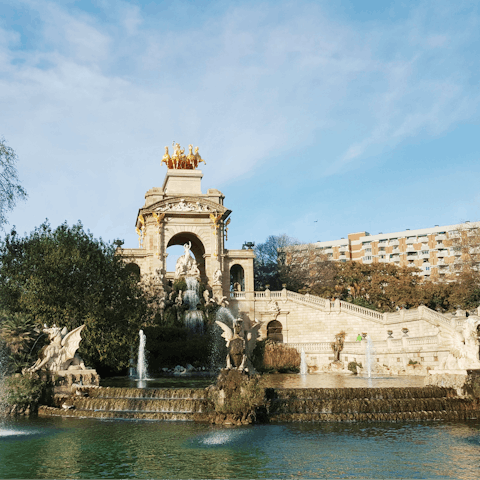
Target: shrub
270,356
352,366
23,393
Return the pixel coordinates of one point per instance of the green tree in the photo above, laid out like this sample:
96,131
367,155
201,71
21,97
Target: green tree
10,189
68,278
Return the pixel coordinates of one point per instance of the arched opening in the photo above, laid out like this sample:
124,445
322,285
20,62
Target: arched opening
133,269
237,279
175,250
274,331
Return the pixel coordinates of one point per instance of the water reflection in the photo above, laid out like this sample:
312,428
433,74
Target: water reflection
75,448
331,380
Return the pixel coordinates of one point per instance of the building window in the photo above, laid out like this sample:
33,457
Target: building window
427,269
424,252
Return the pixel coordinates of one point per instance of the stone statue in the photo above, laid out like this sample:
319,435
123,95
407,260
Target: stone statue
240,344
61,353
158,278
206,297
186,263
274,309
222,301
194,271
463,347
217,277
179,299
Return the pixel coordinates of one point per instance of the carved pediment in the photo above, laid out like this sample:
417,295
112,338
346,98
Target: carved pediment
185,205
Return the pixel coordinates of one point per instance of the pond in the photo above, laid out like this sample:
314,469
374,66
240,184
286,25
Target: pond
89,448
277,380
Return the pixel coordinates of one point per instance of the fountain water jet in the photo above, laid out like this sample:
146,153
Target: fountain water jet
142,365
369,353
303,363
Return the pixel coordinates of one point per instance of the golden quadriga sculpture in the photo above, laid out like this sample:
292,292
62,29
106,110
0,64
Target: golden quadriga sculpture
180,161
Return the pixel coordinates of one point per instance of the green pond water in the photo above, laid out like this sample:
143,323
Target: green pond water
93,448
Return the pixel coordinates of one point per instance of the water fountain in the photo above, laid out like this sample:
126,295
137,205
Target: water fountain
369,355
193,318
142,365
303,363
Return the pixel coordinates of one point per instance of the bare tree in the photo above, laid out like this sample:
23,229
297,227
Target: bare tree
10,189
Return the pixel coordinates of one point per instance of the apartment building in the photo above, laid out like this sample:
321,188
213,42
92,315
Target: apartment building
433,250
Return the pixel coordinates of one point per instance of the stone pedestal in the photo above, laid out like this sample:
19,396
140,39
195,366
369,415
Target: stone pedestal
63,380
466,382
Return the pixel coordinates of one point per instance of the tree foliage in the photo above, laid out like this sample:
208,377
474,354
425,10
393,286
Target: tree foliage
66,277
10,189
380,286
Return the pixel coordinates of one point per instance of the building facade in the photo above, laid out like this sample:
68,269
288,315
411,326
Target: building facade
435,251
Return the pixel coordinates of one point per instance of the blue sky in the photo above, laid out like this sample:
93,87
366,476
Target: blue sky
316,119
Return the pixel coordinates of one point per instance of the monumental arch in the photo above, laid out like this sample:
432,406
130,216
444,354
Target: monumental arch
178,213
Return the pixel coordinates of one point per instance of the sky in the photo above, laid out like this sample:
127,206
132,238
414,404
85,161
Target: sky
315,118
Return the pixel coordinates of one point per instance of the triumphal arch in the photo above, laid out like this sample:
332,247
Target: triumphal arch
178,213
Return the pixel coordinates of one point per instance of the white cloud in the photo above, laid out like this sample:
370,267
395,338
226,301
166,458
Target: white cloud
105,95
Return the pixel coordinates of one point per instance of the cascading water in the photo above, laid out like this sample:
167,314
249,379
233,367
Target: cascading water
193,318
303,363
142,365
369,354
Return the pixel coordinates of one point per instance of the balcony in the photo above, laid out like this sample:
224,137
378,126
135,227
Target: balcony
442,253
423,239
424,255
396,250
441,237
367,260
393,242
342,257
410,248
411,240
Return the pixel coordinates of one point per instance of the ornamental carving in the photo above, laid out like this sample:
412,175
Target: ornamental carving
180,161
183,206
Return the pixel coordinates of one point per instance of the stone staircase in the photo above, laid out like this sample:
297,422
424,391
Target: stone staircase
370,404
130,403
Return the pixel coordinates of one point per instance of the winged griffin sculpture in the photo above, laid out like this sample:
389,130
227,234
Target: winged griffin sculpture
240,344
61,353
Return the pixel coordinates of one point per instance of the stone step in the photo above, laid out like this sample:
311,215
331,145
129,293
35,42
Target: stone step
145,393
314,406
376,417
44,411
137,404
361,393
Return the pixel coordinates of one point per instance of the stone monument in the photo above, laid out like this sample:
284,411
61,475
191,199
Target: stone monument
61,359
